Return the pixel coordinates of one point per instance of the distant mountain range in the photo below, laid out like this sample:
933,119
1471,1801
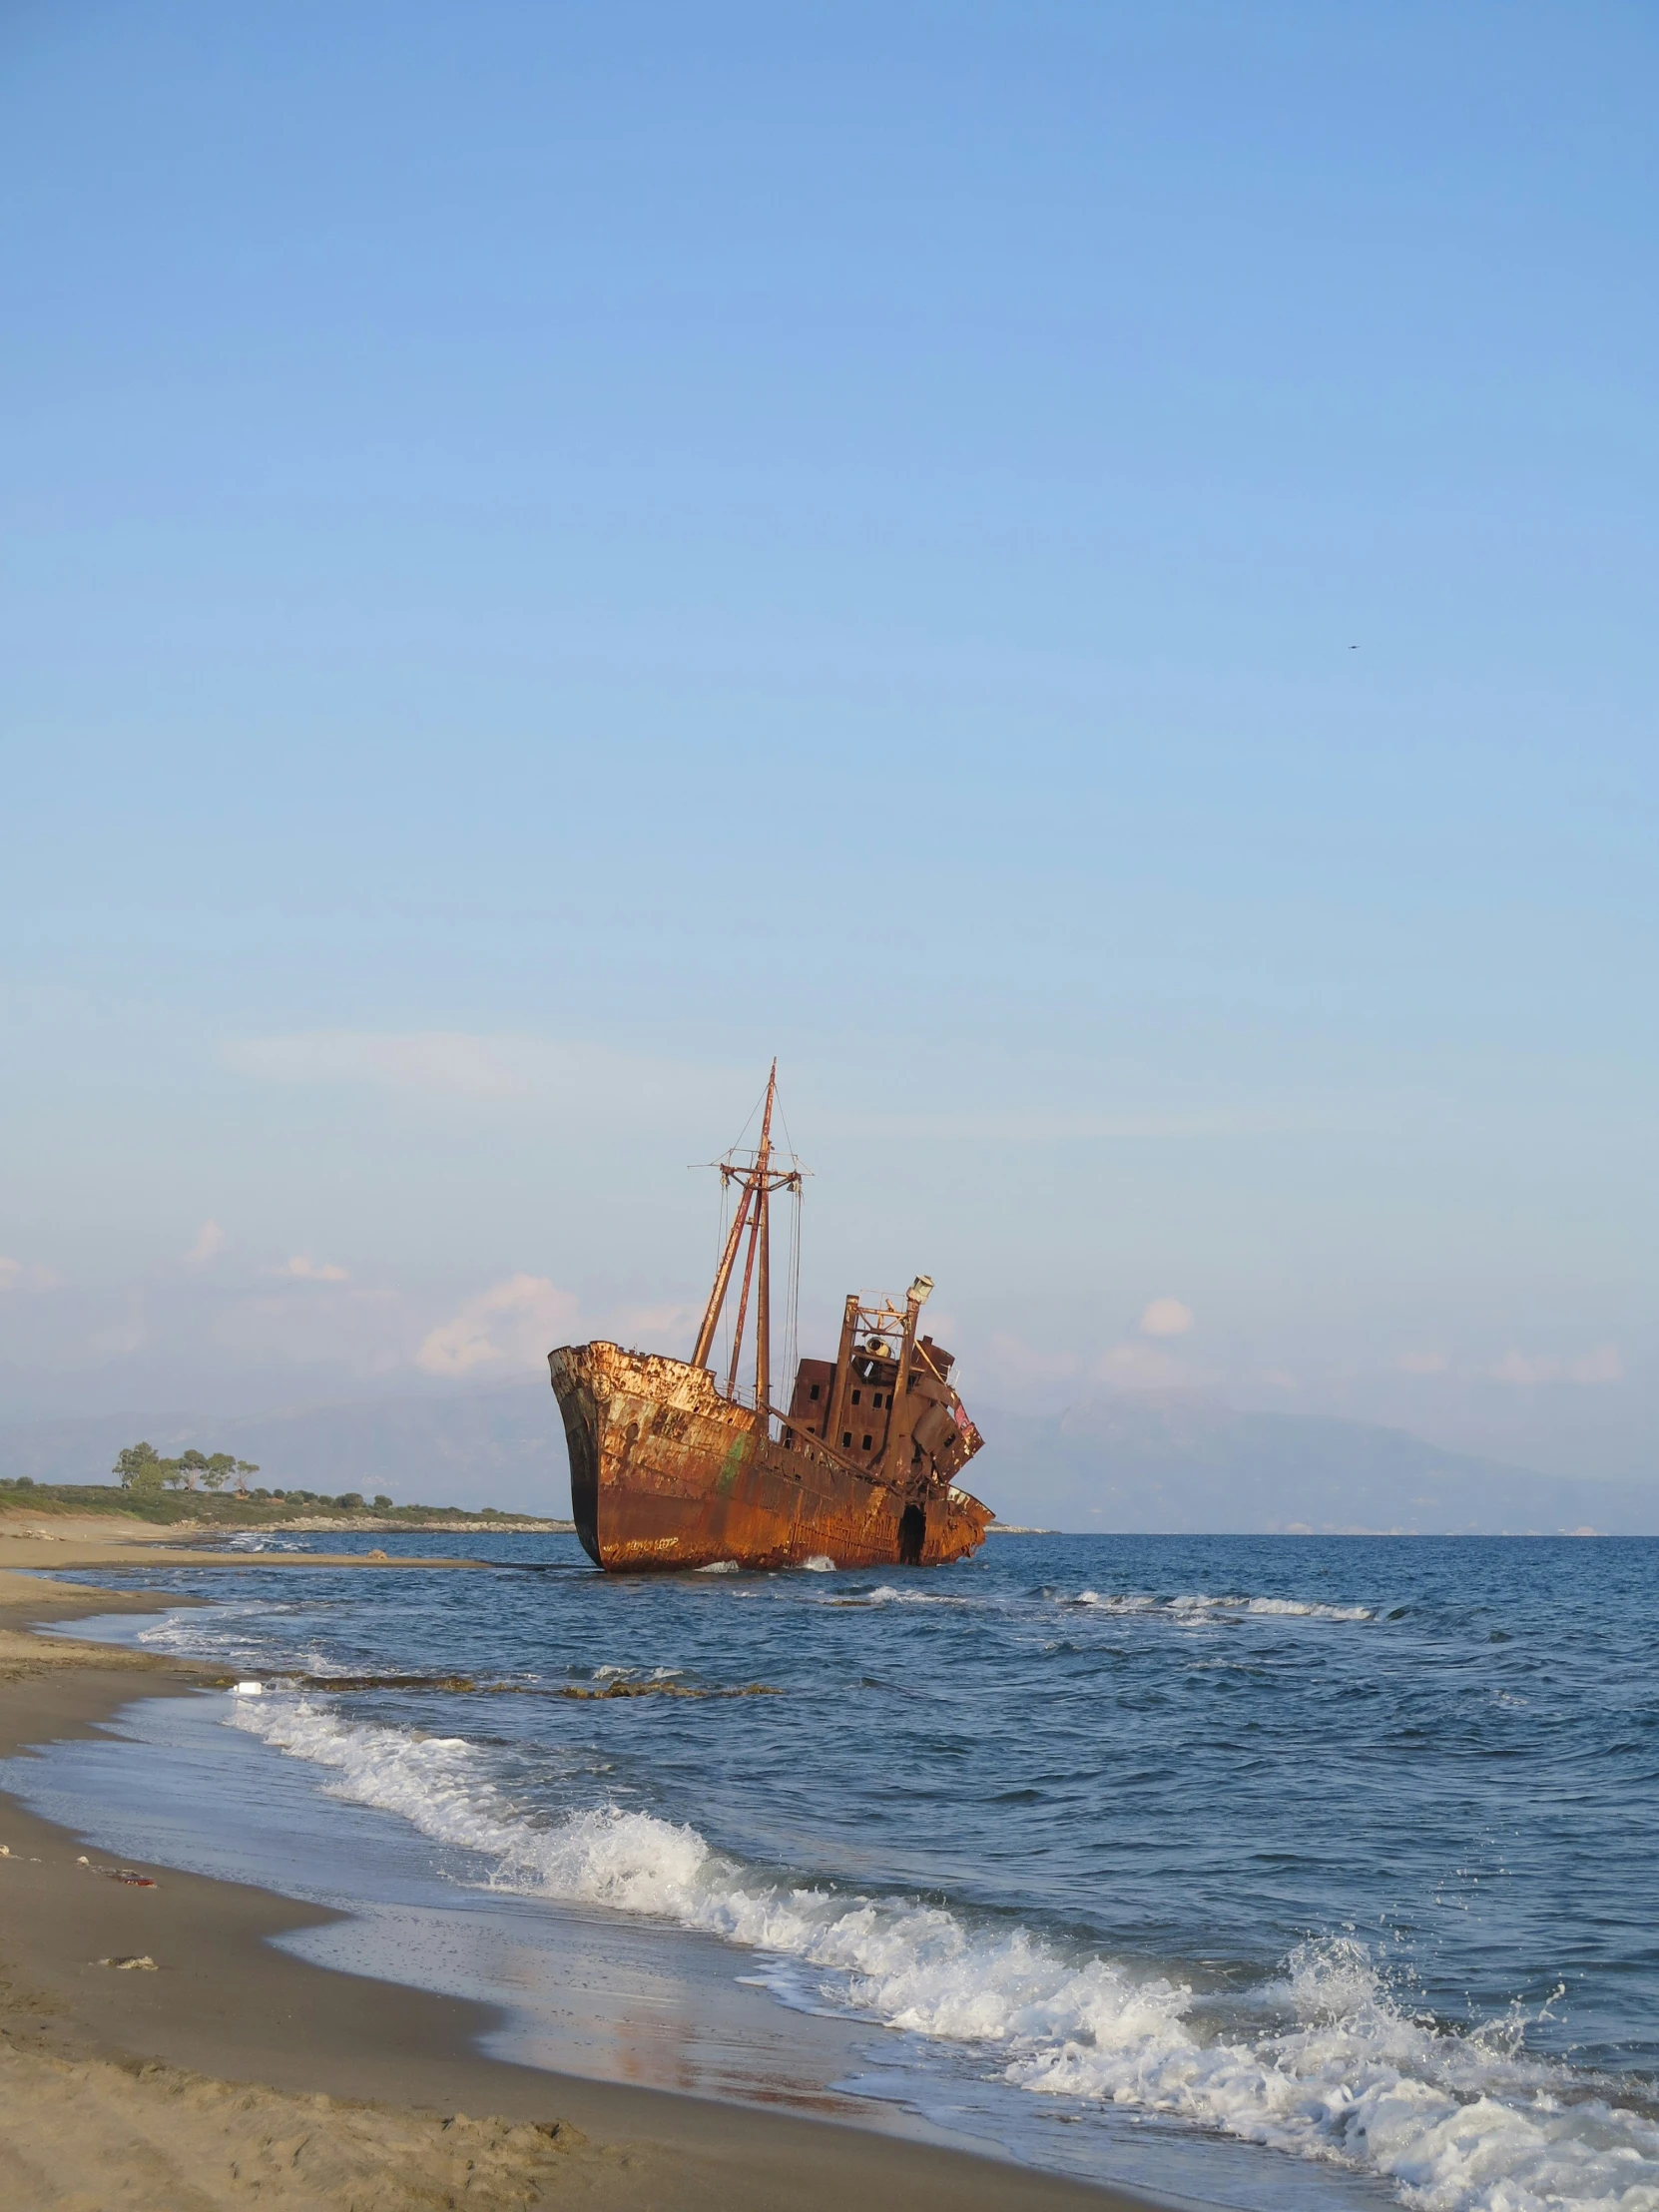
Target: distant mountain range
1173,1462
1180,1462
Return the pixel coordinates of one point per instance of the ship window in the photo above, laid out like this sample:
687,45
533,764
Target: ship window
867,1443
815,1389
847,1439
855,1396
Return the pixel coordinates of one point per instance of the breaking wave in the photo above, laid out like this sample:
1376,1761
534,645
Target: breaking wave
886,1594
1196,1606
1324,2062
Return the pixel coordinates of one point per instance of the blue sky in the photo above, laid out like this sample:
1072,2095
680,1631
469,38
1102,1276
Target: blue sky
1082,574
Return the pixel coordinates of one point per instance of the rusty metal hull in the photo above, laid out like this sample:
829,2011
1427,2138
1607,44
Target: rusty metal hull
666,1473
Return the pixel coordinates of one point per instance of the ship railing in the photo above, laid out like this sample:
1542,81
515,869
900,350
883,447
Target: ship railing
743,1394
796,1438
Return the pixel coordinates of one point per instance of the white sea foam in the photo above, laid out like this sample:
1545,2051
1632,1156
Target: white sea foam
1200,1606
1458,2123
1295,1608
886,1594
718,1566
220,1634
820,1563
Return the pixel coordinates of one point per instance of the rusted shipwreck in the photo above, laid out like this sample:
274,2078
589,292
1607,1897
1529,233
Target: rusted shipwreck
670,1470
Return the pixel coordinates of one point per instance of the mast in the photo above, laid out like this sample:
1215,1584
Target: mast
743,1301
723,1278
763,1226
753,1215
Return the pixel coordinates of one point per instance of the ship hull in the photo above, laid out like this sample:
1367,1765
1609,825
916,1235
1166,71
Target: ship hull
667,1474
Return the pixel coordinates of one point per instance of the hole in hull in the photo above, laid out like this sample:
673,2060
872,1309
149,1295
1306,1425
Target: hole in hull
913,1534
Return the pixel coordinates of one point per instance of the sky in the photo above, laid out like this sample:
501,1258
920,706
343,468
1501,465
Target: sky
1081,574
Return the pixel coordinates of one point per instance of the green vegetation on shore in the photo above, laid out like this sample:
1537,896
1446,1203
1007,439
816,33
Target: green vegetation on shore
211,1509
141,1468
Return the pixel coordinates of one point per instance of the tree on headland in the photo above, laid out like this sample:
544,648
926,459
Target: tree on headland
219,1470
142,1469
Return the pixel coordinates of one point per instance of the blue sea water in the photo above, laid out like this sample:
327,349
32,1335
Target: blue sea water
1271,1870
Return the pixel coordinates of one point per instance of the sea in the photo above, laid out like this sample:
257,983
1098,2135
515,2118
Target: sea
1270,1872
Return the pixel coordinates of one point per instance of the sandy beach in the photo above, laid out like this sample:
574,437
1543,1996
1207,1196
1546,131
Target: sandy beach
157,2053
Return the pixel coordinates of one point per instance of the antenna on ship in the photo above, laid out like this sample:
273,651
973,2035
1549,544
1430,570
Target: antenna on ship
759,1181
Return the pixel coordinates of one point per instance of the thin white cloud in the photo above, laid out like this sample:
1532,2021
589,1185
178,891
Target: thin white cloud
1590,1370
1423,1363
11,1272
416,1060
1166,1316
1025,1128
209,1241
119,1340
1022,1366
509,1067
303,1269
513,1325
1598,1367
1516,1367
654,1328
1140,1366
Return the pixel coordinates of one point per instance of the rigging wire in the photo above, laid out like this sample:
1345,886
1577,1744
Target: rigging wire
724,1206
791,1322
752,1111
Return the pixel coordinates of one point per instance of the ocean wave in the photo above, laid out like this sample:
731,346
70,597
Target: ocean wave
1198,1606
1331,2067
887,1593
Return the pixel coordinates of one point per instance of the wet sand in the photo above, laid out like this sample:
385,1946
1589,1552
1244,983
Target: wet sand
105,1541
226,2071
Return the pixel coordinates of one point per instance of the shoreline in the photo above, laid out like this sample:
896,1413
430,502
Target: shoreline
230,2052
100,1541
